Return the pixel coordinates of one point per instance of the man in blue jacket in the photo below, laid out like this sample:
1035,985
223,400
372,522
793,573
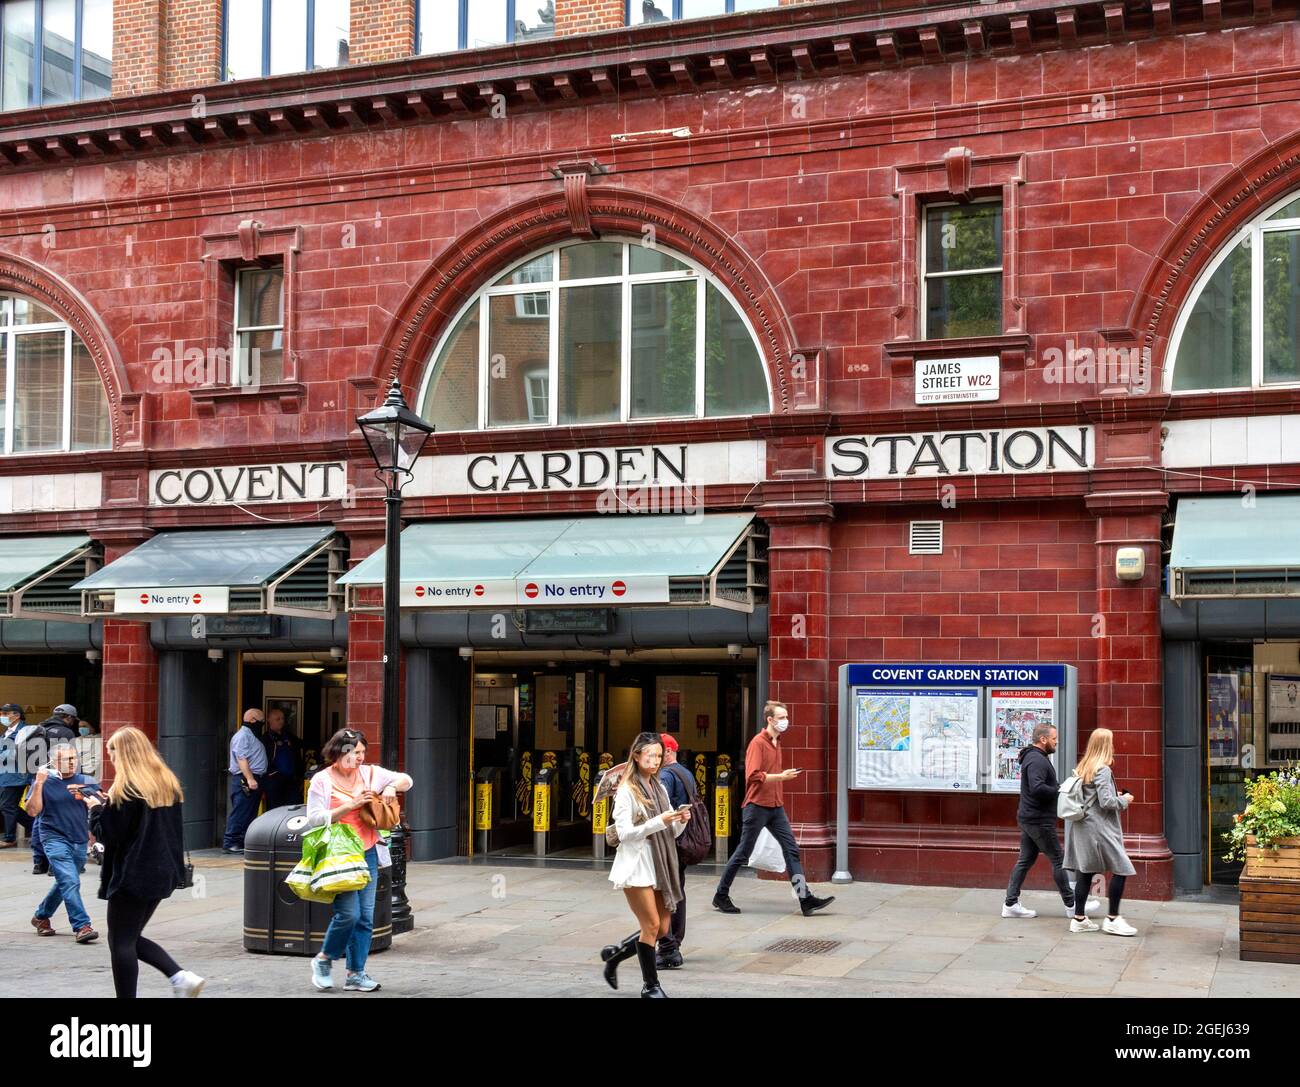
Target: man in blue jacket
679,783
1037,818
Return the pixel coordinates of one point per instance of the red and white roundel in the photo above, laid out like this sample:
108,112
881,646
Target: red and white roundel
144,598
198,598
419,590
478,590
618,588
530,590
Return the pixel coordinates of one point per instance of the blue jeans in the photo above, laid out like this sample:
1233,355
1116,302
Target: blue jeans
67,860
348,935
243,810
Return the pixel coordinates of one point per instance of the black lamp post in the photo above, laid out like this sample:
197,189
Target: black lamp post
396,436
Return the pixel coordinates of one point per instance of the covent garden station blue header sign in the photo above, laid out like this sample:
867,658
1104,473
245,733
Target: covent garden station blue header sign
955,675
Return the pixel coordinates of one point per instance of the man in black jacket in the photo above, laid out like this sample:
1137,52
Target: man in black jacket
1037,819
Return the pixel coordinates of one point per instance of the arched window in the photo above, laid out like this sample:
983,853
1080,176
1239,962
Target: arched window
52,400
1240,327
595,332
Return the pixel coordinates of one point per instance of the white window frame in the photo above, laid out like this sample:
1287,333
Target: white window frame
11,333
926,275
552,287
236,368
1252,234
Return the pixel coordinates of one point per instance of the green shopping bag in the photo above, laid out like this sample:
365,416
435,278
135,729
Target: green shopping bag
333,861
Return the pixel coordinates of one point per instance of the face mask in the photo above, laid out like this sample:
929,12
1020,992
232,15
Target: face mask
5,721
782,724
84,730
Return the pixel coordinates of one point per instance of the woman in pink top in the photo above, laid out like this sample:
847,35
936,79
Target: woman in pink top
343,785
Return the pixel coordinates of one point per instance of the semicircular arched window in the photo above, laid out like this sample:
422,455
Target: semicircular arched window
595,332
1240,327
52,399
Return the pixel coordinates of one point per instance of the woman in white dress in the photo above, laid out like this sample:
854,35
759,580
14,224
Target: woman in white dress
645,867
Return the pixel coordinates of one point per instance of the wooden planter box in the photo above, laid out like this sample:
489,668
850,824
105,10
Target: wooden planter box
1270,903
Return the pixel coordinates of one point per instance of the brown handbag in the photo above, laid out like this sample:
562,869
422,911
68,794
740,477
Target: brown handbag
380,813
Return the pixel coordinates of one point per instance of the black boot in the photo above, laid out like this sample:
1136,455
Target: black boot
723,902
645,954
810,903
613,954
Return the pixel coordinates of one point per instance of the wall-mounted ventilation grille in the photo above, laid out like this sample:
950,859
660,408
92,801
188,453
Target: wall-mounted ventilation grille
925,538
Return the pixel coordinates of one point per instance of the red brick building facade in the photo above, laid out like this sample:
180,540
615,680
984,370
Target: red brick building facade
791,154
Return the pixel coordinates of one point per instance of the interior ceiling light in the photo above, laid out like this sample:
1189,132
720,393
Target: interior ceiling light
310,669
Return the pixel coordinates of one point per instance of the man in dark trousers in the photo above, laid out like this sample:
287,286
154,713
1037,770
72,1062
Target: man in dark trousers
283,763
763,808
681,789
1037,819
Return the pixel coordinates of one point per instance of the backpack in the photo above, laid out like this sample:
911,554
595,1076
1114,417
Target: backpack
1070,804
696,840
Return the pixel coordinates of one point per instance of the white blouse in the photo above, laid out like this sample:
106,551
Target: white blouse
634,864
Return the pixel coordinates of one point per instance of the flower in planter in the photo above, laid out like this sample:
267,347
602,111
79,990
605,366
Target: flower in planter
1272,812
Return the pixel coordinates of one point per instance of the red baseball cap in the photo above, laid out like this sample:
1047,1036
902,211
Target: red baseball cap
669,741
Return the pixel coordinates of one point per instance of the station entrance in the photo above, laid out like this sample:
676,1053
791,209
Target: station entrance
558,721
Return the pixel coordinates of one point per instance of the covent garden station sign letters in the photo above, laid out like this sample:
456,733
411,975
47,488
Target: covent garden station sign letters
1006,451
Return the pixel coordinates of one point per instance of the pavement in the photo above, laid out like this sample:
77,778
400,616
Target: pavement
488,929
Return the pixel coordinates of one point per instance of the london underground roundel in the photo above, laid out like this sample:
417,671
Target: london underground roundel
530,590
619,588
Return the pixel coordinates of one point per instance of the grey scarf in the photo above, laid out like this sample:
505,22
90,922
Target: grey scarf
663,846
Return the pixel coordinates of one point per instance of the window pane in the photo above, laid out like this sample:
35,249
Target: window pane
517,345
663,349
487,23
18,61
963,306
535,270
38,380
288,36
6,309
439,27
958,238
261,358
244,39
1214,352
591,260
59,25
733,371
27,312
537,388
534,19
89,402
96,48
697,9
1282,306
754,5
331,45
651,11
644,259
261,294
451,402
1289,211
590,376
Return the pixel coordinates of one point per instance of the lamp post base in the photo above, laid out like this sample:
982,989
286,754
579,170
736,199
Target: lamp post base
403,918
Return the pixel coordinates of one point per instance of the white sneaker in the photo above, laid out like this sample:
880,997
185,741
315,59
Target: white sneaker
1082,926
1094,904
322,973
1118,927
1017,910
187,984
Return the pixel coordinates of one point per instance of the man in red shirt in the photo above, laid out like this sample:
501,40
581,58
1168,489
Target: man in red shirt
763,808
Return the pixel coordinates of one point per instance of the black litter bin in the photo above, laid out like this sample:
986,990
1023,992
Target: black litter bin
277,921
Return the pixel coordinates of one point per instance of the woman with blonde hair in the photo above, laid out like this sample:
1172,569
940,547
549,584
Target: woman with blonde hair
645,867
139,823
1095,843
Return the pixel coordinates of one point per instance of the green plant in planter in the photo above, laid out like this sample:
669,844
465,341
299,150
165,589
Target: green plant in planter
1272,812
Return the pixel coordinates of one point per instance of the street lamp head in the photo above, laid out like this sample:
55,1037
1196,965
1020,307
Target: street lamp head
395,434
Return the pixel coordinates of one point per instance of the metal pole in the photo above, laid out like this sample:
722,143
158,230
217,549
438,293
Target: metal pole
842,874
403,921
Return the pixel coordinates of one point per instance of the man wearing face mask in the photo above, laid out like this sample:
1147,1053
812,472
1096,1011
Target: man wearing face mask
13,777
763,808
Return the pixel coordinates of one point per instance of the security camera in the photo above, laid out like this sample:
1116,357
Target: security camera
337,653
94,656
466,652
216,654
734,651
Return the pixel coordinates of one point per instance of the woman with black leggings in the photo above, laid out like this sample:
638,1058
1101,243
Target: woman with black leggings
139,824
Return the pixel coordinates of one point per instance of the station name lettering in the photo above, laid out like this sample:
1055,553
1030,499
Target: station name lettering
961,452
956,675
231,484
577,468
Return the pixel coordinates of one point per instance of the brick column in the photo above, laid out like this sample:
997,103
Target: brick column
129,695
192,45
588,16
799,561
381,30
137,47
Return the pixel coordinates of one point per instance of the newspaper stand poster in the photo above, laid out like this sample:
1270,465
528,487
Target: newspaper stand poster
1015,712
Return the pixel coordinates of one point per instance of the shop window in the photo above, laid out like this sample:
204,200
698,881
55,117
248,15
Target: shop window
259,326
273,37
961,270
595,332
1240,327
52,400
443,26
54,51
660,11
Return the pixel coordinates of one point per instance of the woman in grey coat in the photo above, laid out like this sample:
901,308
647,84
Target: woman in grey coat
1095,843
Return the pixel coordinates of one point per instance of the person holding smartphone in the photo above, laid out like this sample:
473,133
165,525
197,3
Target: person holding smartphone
764,808
1095,843
56,806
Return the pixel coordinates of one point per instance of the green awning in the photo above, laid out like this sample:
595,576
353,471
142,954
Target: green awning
662,558
289,571
1236,546
36,573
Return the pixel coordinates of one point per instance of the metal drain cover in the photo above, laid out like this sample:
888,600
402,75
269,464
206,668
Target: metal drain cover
803,947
